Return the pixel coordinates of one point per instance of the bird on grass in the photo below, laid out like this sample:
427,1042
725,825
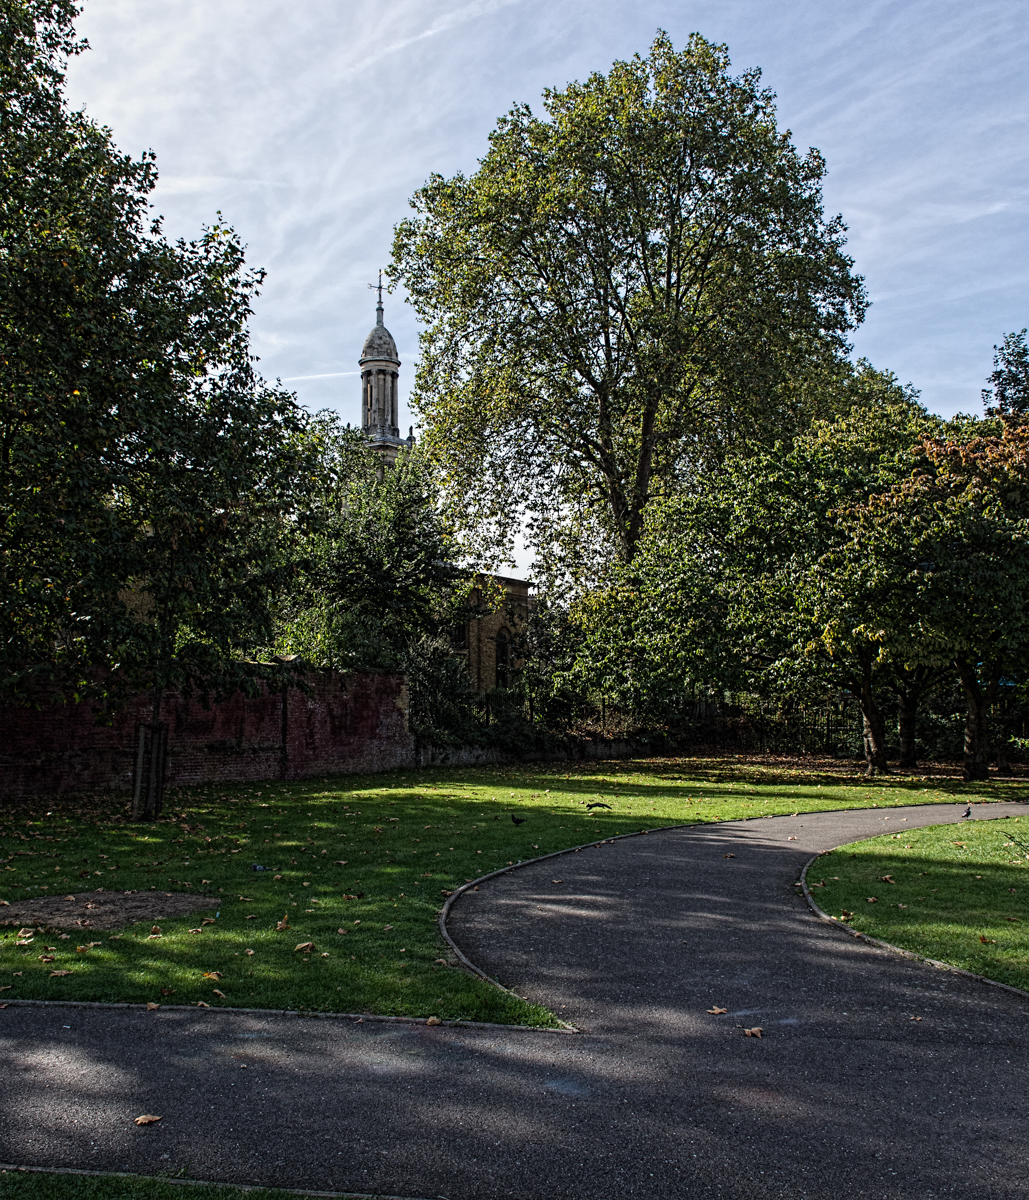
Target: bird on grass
518,820
967,812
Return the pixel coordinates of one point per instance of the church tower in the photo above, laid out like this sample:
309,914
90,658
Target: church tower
380,400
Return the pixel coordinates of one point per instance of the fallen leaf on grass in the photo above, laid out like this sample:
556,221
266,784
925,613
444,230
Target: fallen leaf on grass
755,1032
716,1011
167,991
212,975
252,917
1014,918
342,863
873,899
276,877
6,987
57,974
201,1004
284,923
217,993
961,844
146,1119
250,899
887,879
151,1006
845,915
207,921
304,947
385,927
195,931
23,942
46,958
987,940
248,952
155,929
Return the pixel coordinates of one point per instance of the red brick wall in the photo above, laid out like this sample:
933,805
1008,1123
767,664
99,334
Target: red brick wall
348,723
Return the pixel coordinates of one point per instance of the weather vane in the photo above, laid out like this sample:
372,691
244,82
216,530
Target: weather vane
377,287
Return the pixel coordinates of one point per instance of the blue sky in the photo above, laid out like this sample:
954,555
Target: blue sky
309,123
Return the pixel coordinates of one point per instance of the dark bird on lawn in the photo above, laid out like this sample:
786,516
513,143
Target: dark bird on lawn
967,812
598,805
518,820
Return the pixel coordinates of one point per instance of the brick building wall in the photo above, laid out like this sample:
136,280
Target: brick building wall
347,724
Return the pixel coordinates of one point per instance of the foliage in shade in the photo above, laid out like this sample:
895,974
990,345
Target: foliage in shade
145,466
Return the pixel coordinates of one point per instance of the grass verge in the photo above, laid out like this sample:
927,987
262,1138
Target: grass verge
44,1185
959,894
357,869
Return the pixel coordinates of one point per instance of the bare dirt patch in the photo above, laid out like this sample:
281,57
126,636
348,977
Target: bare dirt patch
102,910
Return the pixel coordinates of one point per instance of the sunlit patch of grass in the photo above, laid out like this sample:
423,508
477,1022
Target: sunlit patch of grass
358,866
955,893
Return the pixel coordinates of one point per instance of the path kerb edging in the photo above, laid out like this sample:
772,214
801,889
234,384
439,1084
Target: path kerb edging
17,1169
822,915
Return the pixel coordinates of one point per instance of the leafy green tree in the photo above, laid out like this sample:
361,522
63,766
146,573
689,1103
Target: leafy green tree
145,466
373,571
620,294
951,541
750,583
1008,395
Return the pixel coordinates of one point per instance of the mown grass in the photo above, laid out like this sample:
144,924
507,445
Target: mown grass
360,866
42,1185
955,893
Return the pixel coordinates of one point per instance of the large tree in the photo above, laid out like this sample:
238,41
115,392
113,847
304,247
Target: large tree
144,466
620,293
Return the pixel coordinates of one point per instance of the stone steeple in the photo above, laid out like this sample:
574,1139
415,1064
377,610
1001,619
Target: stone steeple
380,371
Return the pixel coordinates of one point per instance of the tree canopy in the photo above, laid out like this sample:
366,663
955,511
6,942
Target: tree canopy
621,293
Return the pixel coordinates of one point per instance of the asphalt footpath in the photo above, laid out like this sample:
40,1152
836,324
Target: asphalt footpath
846,1094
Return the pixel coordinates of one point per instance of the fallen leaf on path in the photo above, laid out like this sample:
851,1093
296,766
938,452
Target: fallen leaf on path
433,1021
716,1011
557,881
728,856
916,1018
791,838
755,1032
151,1006
304,947
146,1119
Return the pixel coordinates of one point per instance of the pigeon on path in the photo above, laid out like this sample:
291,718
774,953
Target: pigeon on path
967,812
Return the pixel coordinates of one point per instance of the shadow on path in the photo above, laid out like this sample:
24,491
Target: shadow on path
844,1096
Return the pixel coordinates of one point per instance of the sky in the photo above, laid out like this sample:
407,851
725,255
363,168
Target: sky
309,123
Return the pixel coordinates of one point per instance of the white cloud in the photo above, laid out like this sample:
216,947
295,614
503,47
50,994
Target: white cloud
309,123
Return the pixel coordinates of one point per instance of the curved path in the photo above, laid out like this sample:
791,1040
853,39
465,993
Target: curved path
844,1096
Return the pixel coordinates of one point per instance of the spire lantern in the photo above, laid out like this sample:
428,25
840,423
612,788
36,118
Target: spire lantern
380,374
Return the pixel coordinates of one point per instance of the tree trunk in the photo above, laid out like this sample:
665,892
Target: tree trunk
907,725
873,725
978,696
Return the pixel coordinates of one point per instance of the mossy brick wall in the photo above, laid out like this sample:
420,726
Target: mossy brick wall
347,723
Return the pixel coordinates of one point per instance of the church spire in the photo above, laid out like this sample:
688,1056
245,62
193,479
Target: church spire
380,373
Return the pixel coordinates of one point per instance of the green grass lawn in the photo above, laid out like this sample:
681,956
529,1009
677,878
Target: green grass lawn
956,893
41,1185
360,866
